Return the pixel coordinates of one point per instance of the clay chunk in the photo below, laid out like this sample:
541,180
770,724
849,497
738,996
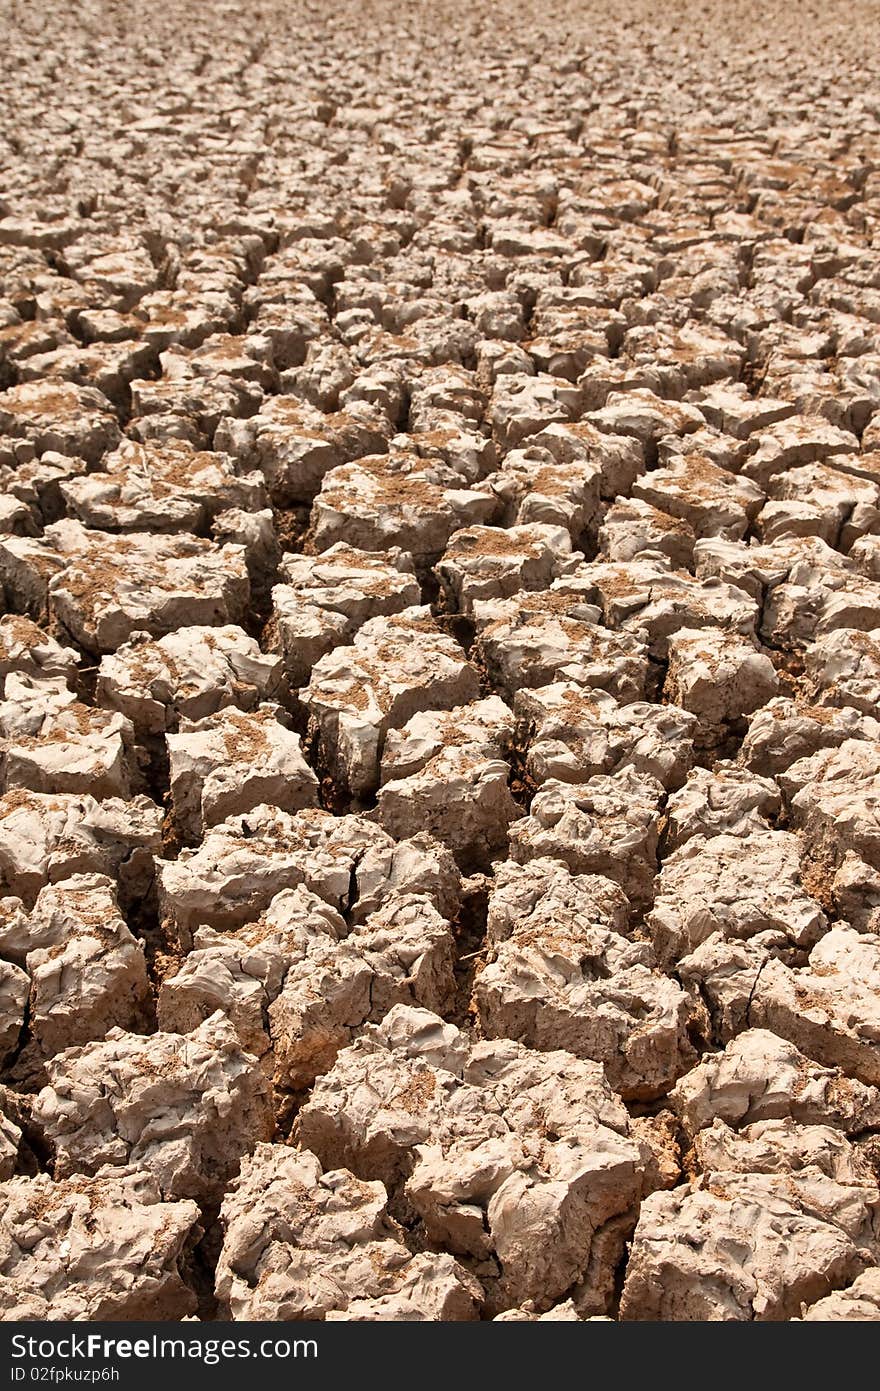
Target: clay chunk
446,772
190,673
748,1246
533,640
298,984
45,415
160,488
183,1107
350,862
563,972
606,825
482,563
395,667
387,500
324,599
14,990
828,1007
833,800
114,585
303,1243
51,742
503,1152
104,1246
575,733
760,1077
48,837
88,972
736,886
860,1302
718,676
232,761
27,650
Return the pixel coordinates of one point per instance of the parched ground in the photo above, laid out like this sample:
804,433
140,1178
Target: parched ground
440,661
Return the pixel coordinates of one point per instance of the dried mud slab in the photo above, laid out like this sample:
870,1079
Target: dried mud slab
302,1244
102,1247
520,1161
186,1107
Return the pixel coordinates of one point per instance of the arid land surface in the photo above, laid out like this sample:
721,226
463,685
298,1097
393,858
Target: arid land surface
440,661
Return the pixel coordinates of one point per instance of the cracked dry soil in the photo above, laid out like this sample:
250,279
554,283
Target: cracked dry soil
440,660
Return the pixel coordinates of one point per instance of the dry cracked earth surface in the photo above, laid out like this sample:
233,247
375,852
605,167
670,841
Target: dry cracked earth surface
440,658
